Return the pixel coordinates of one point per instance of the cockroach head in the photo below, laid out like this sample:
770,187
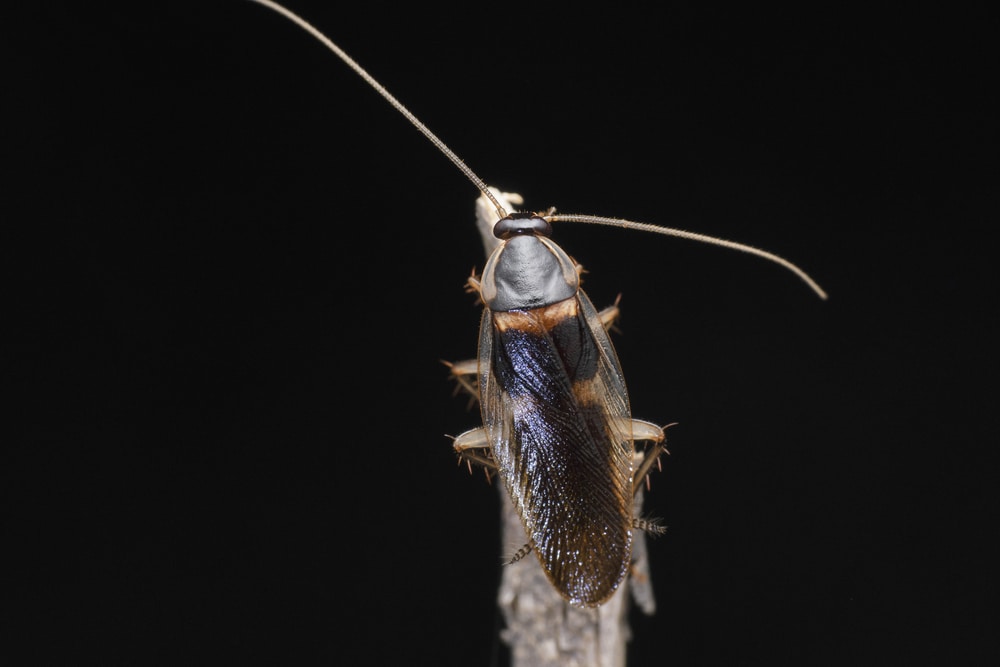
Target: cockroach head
521,223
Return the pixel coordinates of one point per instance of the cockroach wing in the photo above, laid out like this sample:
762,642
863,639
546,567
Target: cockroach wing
556,414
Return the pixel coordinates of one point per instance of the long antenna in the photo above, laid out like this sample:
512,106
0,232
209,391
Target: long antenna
479,183
692,236
441,146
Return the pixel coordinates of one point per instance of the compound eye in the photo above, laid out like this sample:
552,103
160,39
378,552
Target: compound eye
521,223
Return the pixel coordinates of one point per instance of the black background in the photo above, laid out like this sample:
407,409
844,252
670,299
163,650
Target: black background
233,270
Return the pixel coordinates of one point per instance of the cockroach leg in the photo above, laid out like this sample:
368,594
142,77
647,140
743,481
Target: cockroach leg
649,526
519,554
610,315
648,432
473,447
465,374
472,284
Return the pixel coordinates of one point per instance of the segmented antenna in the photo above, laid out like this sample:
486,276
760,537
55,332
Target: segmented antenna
479,183
692,236
441,146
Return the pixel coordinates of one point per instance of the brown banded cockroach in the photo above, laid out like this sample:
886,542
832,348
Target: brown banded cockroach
557,426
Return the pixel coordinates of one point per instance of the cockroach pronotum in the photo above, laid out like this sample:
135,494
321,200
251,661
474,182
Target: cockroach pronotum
557,426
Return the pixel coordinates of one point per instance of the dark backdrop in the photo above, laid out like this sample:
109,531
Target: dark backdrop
233,270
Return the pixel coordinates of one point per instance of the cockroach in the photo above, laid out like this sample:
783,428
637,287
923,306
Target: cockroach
556,420
557,426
